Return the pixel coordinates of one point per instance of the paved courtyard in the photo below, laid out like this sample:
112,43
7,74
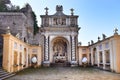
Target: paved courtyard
65,73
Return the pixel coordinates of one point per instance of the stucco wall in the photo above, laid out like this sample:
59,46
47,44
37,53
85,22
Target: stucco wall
17,54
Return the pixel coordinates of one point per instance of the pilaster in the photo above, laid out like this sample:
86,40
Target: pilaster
92,57
46,62
73,53
104,62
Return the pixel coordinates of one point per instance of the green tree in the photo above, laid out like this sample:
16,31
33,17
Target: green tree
3,6
36,28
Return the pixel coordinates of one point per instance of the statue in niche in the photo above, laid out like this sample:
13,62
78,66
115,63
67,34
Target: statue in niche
46,21
55,21
63,21
72,21
59,21
59,48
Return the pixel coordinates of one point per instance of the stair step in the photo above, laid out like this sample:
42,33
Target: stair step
4,74
1,69
1,73
5,77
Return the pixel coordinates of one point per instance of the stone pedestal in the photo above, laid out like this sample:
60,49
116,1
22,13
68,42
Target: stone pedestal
46,63
74,63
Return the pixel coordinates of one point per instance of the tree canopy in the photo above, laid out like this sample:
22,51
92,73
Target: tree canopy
36,28
6,5
3,6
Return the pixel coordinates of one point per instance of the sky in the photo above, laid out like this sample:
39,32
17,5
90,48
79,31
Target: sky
96,17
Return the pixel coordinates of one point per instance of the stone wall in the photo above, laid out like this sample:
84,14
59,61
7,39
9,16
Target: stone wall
16,22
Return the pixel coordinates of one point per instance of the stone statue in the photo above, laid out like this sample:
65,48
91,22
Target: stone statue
115,31
104,36
92,42
18,35
8,30
98,38
88,43
80,43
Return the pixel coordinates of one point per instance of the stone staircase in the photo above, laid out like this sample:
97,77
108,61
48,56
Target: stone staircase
4,74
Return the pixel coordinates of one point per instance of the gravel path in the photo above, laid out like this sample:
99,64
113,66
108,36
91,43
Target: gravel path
65,73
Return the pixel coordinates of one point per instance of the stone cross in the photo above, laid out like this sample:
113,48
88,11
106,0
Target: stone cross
46,11
72,11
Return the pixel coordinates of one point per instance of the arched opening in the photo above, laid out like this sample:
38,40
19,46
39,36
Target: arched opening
60,49
95,56
25,56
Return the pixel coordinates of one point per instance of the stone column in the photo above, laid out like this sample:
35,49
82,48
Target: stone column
46,53
98,59
73,53
92,57
104,60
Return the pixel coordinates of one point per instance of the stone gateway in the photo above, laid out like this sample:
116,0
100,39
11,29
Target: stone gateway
60,33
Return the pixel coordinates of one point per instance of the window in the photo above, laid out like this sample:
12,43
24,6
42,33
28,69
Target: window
63,21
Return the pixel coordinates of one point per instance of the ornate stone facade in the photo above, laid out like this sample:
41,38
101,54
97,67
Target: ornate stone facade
60,33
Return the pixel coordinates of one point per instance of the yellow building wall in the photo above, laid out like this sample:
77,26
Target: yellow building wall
117,42
82,53
16,54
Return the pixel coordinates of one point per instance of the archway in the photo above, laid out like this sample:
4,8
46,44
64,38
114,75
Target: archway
59,49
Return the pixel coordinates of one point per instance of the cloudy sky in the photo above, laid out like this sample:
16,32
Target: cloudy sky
95,16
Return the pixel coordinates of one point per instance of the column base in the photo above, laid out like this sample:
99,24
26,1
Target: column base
46,64
74,63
